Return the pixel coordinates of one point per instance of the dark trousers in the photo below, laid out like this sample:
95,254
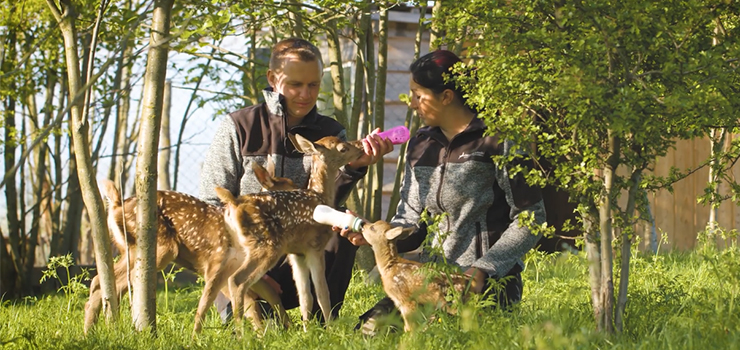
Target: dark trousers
506,292
338,275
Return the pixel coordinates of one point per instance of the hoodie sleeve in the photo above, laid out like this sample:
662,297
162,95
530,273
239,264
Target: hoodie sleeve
408,212
516,240
223,163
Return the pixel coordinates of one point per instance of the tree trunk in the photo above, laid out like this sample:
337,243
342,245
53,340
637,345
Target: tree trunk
458,43
593,254
365,25
354,202
163,174
123,105
65,15
58,213
650,233
434,33
73,214
294,13
412,123
337,73
605,226
32,238
377,188
367,124
11,187
627,235
7,272
253,88
145,280
716,143
44,192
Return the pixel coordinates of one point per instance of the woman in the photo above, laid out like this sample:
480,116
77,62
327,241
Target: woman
449,170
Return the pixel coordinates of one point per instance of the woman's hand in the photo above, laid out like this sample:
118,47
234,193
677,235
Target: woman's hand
478,279
356,238
375,148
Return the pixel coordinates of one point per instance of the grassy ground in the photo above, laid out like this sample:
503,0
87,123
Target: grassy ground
677,301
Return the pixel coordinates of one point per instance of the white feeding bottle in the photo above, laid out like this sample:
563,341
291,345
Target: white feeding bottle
397,135
326,215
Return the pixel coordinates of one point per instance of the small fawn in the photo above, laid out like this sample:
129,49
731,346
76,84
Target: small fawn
269,225
403,280
193,234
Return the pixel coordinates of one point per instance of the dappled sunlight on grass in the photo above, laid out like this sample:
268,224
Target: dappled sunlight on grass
678,301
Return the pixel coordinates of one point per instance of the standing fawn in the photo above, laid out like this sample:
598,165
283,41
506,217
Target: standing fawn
272,224
404,281
191,233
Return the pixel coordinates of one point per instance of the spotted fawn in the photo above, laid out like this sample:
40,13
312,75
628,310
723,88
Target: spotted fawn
269,225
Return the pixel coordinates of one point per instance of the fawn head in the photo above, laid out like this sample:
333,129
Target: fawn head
330,149
380,233
268,180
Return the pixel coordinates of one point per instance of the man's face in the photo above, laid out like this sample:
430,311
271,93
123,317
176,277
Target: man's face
299,82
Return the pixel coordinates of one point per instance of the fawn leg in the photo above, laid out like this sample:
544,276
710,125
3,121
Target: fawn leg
250,305
317,266
254,267
303,285
265,291
408,314
215,279
95,302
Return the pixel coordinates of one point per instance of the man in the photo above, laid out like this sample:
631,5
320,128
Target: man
259,132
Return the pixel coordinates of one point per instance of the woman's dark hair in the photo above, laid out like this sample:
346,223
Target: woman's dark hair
434,72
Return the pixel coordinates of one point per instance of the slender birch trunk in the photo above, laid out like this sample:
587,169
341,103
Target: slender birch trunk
145,280
163,176
65,15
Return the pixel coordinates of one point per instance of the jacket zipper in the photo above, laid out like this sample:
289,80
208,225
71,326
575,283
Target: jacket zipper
442,177
478,241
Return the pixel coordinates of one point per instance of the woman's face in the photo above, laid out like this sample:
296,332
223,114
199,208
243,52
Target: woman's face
427,104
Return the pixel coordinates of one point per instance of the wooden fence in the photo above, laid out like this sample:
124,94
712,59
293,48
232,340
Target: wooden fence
678,214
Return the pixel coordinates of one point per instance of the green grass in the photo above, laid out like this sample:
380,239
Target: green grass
677,301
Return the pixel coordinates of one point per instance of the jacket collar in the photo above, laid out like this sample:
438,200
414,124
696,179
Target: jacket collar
475,125
276,105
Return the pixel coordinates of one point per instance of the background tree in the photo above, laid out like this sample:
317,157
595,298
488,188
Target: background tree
602,88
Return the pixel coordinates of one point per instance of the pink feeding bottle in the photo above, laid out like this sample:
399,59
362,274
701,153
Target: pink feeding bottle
397,135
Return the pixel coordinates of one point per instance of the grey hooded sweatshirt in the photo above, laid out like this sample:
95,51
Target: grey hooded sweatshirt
459,178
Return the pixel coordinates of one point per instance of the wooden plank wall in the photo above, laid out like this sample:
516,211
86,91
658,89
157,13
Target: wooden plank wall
679,214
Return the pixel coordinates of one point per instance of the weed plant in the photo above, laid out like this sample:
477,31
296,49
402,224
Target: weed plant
676,301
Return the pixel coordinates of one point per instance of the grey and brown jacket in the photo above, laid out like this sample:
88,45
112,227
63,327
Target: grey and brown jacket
482,203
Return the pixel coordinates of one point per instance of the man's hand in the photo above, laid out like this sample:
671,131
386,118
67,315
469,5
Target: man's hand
478,279
375,148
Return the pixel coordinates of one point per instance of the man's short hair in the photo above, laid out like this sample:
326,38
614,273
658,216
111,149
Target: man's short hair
295,47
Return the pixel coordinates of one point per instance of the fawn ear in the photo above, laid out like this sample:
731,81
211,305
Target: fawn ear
110,190
302,144
225,196
397,232
263,176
